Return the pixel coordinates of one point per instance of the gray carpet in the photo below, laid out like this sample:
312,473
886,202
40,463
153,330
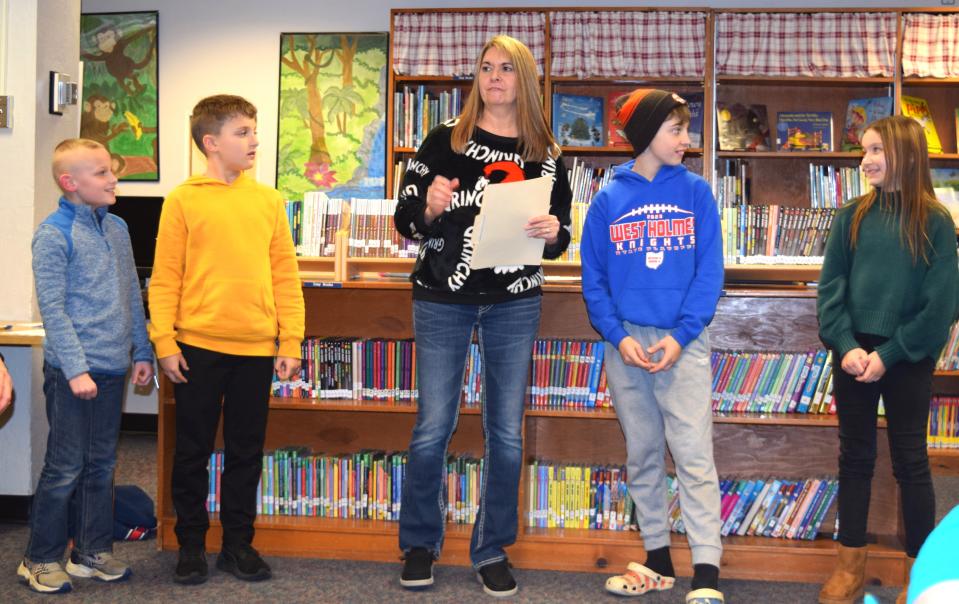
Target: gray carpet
321,581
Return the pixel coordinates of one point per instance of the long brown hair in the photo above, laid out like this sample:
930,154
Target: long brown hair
907,169
535,140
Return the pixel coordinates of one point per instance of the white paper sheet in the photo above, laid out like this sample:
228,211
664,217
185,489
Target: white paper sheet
499,238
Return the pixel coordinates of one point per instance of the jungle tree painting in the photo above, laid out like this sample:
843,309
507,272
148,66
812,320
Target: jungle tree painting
332,108
120,107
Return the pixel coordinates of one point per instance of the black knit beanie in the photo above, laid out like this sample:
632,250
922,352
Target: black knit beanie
642,112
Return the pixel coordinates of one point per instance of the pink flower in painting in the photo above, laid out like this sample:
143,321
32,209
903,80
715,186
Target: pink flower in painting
319,174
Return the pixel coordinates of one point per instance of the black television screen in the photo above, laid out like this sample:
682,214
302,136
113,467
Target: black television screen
142,215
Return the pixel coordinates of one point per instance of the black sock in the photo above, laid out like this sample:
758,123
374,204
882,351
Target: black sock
659,561
705,576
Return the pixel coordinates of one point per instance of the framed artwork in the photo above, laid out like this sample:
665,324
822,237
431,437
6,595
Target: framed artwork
120,106
331,134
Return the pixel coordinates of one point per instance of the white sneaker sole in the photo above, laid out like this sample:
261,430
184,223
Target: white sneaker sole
416,583
493,592
27,577
85,572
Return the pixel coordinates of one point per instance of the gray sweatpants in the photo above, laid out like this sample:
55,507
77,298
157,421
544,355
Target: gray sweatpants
670,407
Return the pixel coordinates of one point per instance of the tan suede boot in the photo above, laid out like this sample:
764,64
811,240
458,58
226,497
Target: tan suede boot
905,588
845,586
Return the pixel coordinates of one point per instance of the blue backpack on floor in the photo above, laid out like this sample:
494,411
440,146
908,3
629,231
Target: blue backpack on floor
133,514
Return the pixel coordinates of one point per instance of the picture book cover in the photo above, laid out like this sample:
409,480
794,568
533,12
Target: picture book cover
694,100
578,120
804,131
742,127
859,114
918,109
945,182
614,134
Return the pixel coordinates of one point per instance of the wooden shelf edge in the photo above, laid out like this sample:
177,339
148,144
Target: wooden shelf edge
819,81
629,79
434,79
756,558
928,81
944,462
791,154
736,274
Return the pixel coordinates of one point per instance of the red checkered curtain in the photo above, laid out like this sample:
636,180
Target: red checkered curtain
447,44
613,44
930,45
829,45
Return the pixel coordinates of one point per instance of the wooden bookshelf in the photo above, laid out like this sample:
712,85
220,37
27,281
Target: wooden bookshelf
764,308
749,445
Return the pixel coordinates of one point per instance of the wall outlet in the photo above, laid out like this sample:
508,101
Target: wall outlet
6,112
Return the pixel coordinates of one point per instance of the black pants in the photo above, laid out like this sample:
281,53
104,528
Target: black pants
906,389
240,386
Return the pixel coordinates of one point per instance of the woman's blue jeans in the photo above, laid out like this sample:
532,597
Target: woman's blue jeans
505,332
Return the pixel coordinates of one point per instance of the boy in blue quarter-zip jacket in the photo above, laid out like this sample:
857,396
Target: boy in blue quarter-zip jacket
652,274
92,311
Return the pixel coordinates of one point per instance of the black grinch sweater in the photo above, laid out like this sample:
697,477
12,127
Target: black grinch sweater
442,272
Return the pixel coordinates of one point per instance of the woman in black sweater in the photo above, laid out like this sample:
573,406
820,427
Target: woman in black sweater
501,136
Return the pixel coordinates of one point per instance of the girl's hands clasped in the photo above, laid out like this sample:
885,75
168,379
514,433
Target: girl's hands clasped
865,367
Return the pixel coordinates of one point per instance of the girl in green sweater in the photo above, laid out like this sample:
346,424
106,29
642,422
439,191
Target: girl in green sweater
887,295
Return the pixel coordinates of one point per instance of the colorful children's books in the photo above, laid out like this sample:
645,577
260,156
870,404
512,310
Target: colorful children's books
614,133
578,120
742,127
945,182
694,100
918,109
804,131
859,114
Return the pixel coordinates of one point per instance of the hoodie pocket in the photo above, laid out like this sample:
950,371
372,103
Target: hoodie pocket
238,309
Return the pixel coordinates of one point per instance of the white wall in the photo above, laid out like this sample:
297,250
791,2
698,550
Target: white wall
232,46
38,38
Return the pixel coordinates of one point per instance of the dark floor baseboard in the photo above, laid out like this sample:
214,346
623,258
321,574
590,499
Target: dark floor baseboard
15,508
138,422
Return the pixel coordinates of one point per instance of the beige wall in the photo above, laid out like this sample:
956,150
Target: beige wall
38,37
232,46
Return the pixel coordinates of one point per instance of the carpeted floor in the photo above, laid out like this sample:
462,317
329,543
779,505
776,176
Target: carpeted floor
322,581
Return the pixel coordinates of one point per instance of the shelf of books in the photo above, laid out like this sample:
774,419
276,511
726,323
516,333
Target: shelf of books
781,151
358,399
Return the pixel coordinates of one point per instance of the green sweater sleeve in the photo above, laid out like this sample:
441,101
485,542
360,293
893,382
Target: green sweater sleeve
924,333
835,324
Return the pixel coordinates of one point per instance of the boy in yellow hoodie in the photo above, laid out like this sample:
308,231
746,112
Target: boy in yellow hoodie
225,299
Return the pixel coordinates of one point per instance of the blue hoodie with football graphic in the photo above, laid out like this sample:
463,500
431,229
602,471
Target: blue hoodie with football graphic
652,254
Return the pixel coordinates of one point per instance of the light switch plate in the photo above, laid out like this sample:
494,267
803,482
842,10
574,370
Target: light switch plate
63,92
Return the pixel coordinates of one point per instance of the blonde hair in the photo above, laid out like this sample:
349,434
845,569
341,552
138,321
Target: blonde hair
61,162
535,139
907,169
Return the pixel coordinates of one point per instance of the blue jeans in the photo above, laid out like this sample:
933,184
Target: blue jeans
505,332
75,492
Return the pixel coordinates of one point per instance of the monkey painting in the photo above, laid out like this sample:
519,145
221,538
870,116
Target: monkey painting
119,107
95,123
112,46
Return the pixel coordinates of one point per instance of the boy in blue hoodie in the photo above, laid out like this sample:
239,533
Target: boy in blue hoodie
652,274
92,310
